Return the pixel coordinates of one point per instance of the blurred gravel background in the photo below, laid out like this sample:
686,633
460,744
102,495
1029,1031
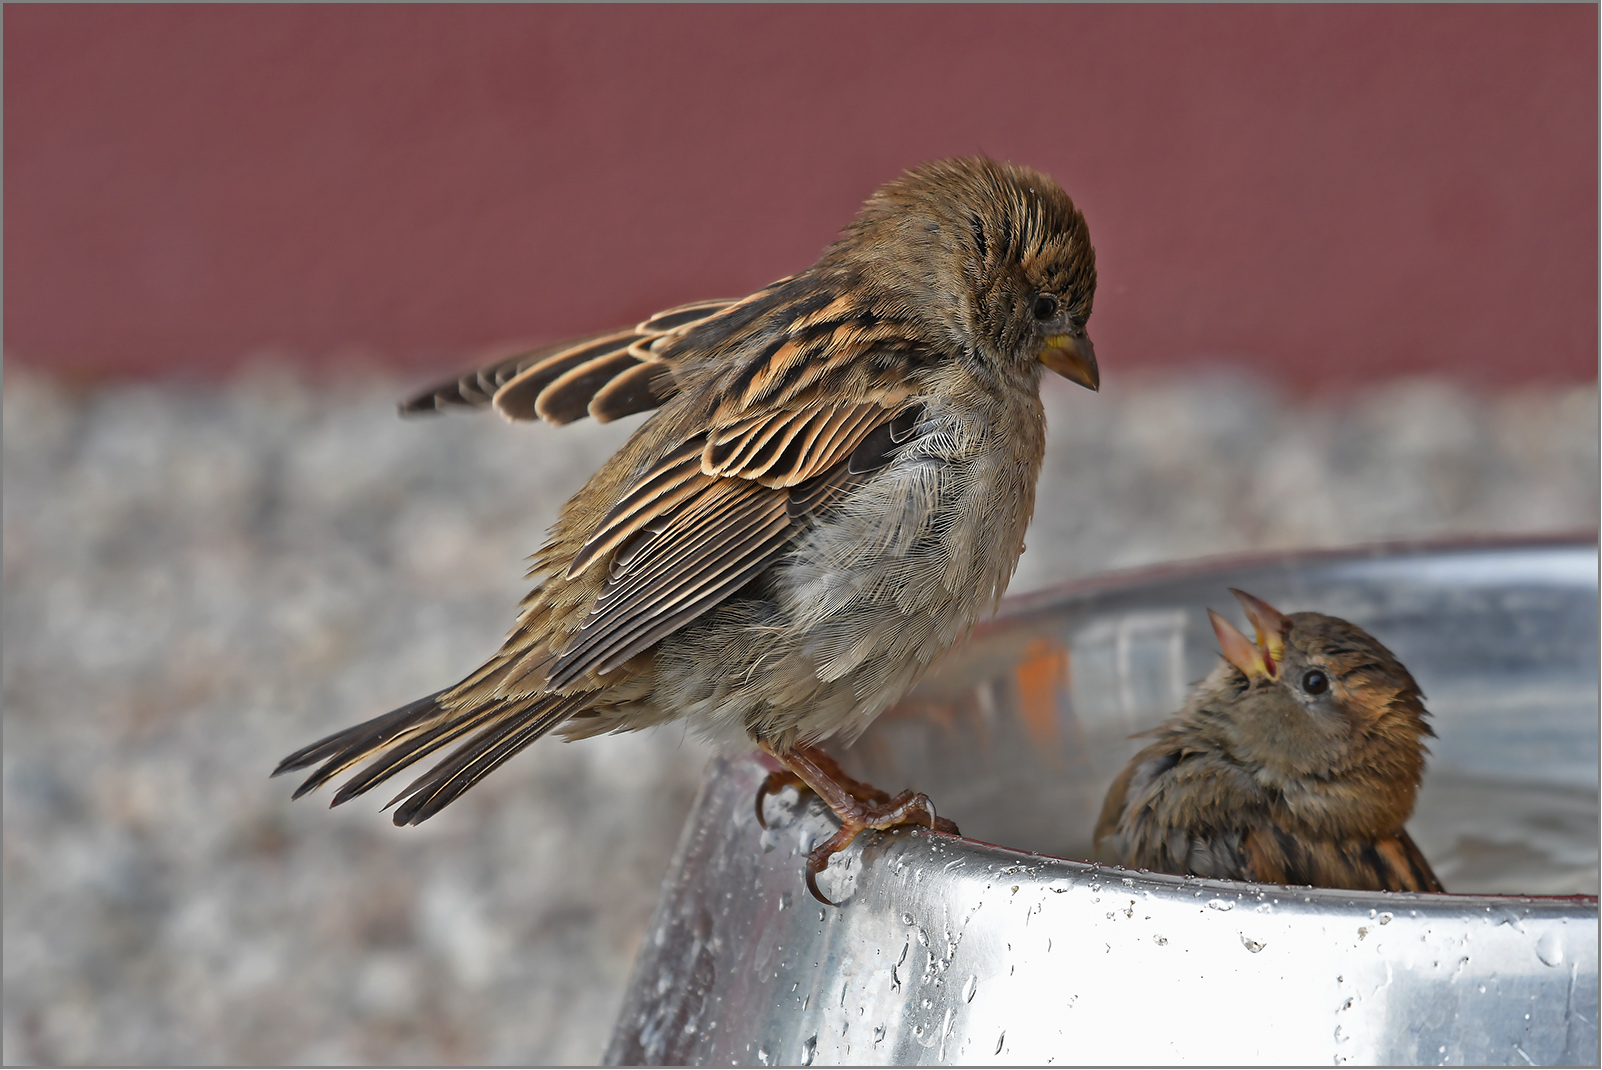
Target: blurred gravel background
197,581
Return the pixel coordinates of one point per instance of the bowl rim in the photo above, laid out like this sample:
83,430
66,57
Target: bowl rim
1020,608
1141,577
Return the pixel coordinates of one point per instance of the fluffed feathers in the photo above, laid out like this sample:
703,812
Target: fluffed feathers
833,486
1296,761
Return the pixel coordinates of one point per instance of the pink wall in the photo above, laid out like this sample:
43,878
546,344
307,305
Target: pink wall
1326,193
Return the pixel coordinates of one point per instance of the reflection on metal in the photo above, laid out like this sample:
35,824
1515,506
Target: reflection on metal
1130,668
950,950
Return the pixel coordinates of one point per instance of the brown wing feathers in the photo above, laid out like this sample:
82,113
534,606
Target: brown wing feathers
700,539
791,446
677,477
705,537
478,388
710,548
638,389
599,375
692,529
564,397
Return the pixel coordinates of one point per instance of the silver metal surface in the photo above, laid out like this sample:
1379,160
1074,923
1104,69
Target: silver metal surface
948,950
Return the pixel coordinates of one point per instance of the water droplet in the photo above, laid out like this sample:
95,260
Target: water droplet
1385,918
970,988
784,900
1220,904
906,917
1002,1039
809,1048
762,1056
1549,949
878,1033
769,840
1251,945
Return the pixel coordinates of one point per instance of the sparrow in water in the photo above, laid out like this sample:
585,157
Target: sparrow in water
1296,761
833,487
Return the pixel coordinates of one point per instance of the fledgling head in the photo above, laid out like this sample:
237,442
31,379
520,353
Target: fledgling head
992,255
1316,696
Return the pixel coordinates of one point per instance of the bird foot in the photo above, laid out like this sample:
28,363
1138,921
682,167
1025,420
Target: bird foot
908,808
859,806
779,779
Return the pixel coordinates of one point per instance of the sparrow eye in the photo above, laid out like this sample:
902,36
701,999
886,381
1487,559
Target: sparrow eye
1045,306
1314,682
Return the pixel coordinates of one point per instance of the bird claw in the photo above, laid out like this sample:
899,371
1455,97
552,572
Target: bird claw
908,808
858,806
812,884
776,781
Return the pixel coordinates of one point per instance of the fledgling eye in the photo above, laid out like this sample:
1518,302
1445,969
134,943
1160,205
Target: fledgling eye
1314,682
1045,306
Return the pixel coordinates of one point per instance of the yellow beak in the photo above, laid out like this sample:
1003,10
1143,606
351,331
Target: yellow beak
1238,650
1271,625
1074,358
1263,657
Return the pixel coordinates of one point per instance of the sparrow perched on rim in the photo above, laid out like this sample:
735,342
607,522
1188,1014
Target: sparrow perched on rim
1296,761
832,489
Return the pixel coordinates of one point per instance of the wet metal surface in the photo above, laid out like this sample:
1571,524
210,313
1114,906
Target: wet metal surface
955,951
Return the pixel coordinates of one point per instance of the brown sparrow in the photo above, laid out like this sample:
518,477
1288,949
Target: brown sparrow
1296,761
833,488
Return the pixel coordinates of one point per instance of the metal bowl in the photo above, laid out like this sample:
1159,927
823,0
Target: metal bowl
947,950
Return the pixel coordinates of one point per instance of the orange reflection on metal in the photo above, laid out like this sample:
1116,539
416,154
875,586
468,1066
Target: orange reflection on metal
1040,673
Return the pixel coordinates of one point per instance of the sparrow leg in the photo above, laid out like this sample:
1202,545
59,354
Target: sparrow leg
779,779
859,806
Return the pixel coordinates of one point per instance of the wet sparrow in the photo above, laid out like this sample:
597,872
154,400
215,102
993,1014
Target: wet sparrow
1296,761
834,486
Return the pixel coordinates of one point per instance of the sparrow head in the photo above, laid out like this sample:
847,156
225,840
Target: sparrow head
992,256
1315,697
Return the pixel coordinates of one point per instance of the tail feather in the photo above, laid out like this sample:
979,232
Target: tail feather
509,733
349,746
1424,878
420,746
418,729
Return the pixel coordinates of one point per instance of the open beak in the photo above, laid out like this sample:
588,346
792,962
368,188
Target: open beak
1074,358
1263,657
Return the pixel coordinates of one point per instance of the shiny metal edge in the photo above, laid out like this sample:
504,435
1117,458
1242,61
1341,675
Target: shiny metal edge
1564,560
1238,973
